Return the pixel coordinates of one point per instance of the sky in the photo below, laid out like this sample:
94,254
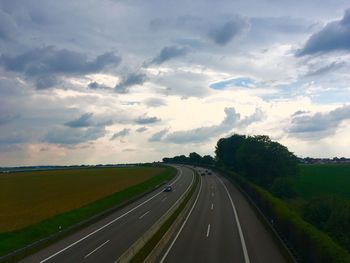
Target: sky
125,81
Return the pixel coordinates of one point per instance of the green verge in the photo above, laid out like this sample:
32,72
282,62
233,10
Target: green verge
69,221
151,244
311,244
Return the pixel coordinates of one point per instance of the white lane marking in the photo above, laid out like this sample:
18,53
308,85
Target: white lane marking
97,248
183,224
163,199
212,206
244,248
208,230
109,223
143,215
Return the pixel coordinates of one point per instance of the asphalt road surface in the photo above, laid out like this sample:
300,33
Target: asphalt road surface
221,227
108,239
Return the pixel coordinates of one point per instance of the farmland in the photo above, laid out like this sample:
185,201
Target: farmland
27,198
321,179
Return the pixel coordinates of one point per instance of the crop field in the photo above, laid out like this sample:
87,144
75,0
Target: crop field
30,197
318,179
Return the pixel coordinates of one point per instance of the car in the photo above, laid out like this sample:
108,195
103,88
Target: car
202,174
168,188
209,173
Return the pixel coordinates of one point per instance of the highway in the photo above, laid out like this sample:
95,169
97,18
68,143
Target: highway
221,227
107,239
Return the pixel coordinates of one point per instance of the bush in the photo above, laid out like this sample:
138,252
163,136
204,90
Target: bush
311,244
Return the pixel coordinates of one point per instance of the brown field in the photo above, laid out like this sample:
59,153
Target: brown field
29,197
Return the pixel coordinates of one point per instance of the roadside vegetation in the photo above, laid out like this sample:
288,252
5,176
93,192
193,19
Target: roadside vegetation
308,205
81,194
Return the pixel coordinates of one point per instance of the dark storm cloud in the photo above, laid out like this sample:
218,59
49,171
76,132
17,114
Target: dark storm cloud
334,36
83,121
121,133
168,53
70,136
226,32
319,124
147,120
130,80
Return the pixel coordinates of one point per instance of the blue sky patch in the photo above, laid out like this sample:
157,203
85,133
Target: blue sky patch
236,82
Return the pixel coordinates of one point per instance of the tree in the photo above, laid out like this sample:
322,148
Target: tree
256,157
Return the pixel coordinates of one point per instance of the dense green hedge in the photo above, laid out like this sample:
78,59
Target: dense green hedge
311,244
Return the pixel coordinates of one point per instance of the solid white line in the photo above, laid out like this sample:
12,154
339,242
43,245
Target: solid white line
109,223
144,214
244,248
208,230
183,224
163,199
212,206
97,248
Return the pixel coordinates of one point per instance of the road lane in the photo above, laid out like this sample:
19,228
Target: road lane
122,228
223,227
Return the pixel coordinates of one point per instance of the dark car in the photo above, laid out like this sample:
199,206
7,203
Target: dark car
202,174
168,188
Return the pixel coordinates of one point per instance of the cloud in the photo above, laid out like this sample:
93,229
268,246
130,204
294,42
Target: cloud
335,36
7,26
155,102
129,81
226,32
147,120
258,115
120,133
45,63
168,53
69,136
318,125
335,65
95,86
141,129
83,121
197,135
205,133
7,117
156,137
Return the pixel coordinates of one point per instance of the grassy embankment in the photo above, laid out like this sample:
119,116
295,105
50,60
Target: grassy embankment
35,205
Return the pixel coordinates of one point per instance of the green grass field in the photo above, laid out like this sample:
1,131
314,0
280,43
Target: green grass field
45,202
29,197
319,179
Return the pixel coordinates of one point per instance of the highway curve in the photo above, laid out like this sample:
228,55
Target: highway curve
221,227
106,240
